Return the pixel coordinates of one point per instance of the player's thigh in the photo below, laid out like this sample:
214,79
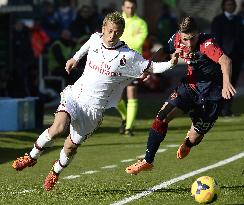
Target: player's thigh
204,116
181,98
178,102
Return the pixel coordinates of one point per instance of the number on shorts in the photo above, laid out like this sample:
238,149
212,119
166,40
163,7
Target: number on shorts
205,126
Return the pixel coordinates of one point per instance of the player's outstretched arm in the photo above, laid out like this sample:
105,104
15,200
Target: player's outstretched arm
160,67
226,66
70,64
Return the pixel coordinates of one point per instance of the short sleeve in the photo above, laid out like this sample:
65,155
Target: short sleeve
211,50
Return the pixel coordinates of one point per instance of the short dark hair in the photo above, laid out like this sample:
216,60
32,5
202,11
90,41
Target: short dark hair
131,1
188,25
224,1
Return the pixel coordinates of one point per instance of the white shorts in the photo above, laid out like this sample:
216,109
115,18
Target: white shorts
84,119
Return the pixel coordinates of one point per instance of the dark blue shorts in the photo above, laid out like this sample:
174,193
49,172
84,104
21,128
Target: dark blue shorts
203,113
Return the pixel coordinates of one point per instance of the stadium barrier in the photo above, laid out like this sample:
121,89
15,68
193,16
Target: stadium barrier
18,113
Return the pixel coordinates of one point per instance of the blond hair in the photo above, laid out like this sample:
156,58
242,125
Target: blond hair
115,18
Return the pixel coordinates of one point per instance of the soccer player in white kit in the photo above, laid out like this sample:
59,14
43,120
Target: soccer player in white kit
110,67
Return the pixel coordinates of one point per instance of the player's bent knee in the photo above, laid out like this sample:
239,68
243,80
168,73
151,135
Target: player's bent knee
69,147
160,123
165,112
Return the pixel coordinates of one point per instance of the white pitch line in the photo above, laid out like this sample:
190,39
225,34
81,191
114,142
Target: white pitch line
109,166
161,150
177,179
20,192
172,145
143,155
140,156
72,177
24,191
90,172
127,160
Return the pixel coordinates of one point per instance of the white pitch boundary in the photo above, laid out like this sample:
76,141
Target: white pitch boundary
177,179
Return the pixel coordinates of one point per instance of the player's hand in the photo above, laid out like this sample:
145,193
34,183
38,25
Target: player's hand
175,56
70,65
228,90
145,76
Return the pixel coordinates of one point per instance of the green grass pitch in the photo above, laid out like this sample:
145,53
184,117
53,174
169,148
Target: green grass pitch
97,173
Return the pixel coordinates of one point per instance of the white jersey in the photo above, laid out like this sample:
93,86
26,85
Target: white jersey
107,72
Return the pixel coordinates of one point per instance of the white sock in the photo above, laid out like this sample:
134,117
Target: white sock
43,141
62,162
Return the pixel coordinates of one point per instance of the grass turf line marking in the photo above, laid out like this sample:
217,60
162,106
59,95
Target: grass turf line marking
20,192
143,155
127,160
114,166
177,179
90,172
109,166
71,177
161,150
172,145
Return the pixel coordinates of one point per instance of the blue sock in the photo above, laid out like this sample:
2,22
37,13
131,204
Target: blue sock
153,143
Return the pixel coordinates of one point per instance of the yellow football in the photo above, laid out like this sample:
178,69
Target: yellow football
205,189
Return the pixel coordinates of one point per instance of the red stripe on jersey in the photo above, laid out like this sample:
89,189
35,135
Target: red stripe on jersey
190,78
177,40
185,55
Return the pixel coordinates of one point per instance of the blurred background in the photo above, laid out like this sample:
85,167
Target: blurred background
38,36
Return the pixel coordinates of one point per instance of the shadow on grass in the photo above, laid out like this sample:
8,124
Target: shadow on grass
107,129
13,153
163,190
10,154
136,191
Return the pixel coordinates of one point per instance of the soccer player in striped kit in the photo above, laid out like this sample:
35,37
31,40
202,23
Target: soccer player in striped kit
200,94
